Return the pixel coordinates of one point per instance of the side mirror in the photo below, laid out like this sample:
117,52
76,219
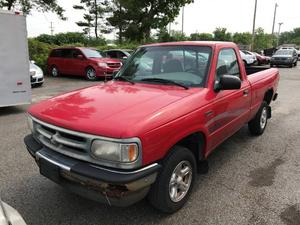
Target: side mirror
124,57
228,82
80,57
32,62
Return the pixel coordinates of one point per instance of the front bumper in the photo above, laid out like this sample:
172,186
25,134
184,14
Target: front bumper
36,80
109,72
113,187
281,62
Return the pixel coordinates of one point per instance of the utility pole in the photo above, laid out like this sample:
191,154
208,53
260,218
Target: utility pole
253,29
51,28
274,19
182,23
278,35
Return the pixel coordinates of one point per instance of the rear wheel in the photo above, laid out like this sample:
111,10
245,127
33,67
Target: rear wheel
54,71
90,74
175,182
259,123
295,64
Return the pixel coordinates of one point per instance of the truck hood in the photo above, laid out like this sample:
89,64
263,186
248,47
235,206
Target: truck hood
112,109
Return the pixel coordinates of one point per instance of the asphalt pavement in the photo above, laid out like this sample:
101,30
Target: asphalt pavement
252,180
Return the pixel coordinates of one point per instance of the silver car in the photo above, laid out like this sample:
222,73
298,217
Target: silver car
36,75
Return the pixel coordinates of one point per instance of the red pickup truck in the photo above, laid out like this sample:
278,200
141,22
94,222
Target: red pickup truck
150,129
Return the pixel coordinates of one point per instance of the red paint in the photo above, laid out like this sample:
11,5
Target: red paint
161,115
78,66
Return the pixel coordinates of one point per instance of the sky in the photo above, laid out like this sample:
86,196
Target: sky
200,16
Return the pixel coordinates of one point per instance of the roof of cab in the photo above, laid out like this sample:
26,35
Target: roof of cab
193,43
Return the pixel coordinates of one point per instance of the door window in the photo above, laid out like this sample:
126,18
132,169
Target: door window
66,53
76,52
227,64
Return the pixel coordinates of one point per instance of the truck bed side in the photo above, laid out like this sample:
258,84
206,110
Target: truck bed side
264,86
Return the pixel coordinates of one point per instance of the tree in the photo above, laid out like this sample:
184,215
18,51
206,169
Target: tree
94,17
27,5
201,37
70,38
242,38
292,37
263,40
220,34
140,17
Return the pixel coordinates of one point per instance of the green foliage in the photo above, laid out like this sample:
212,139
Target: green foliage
39,51
70,38
40,5
201,37
138,18
221,34
263,40
242,38
292,37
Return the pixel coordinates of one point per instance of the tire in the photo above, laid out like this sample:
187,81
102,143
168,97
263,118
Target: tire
271,65
291,65
160,195
295,64
259,123
54,71
90,74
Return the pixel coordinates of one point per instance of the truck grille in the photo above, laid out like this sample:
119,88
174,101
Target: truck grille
62,140
114,65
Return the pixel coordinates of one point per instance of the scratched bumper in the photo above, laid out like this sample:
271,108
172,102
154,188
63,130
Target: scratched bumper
112,187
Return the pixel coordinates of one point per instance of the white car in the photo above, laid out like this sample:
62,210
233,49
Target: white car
248,59
36,75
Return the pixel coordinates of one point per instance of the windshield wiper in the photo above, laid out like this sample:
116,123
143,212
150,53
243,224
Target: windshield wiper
165,81
123,79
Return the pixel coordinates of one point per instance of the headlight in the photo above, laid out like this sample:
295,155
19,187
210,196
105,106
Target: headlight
30,123
32,73
119,152
102,64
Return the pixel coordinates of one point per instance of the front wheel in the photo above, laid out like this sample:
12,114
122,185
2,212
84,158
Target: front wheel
175,182
259,123
90,74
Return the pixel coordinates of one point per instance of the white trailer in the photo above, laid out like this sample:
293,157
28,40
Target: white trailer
15,87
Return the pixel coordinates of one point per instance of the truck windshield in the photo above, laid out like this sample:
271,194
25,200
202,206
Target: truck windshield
185,65
90,53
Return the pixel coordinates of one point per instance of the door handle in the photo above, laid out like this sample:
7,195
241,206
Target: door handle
246,92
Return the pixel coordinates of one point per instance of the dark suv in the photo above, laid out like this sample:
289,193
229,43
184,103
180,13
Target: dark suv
81,62
287,57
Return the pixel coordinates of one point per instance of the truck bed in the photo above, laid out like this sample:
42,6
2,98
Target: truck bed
252,70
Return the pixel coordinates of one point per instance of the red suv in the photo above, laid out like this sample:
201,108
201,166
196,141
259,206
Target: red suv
81,62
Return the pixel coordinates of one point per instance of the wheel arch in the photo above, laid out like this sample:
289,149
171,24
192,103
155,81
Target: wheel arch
269,95
196,142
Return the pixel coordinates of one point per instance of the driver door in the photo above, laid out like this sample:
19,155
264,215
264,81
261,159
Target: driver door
231,107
